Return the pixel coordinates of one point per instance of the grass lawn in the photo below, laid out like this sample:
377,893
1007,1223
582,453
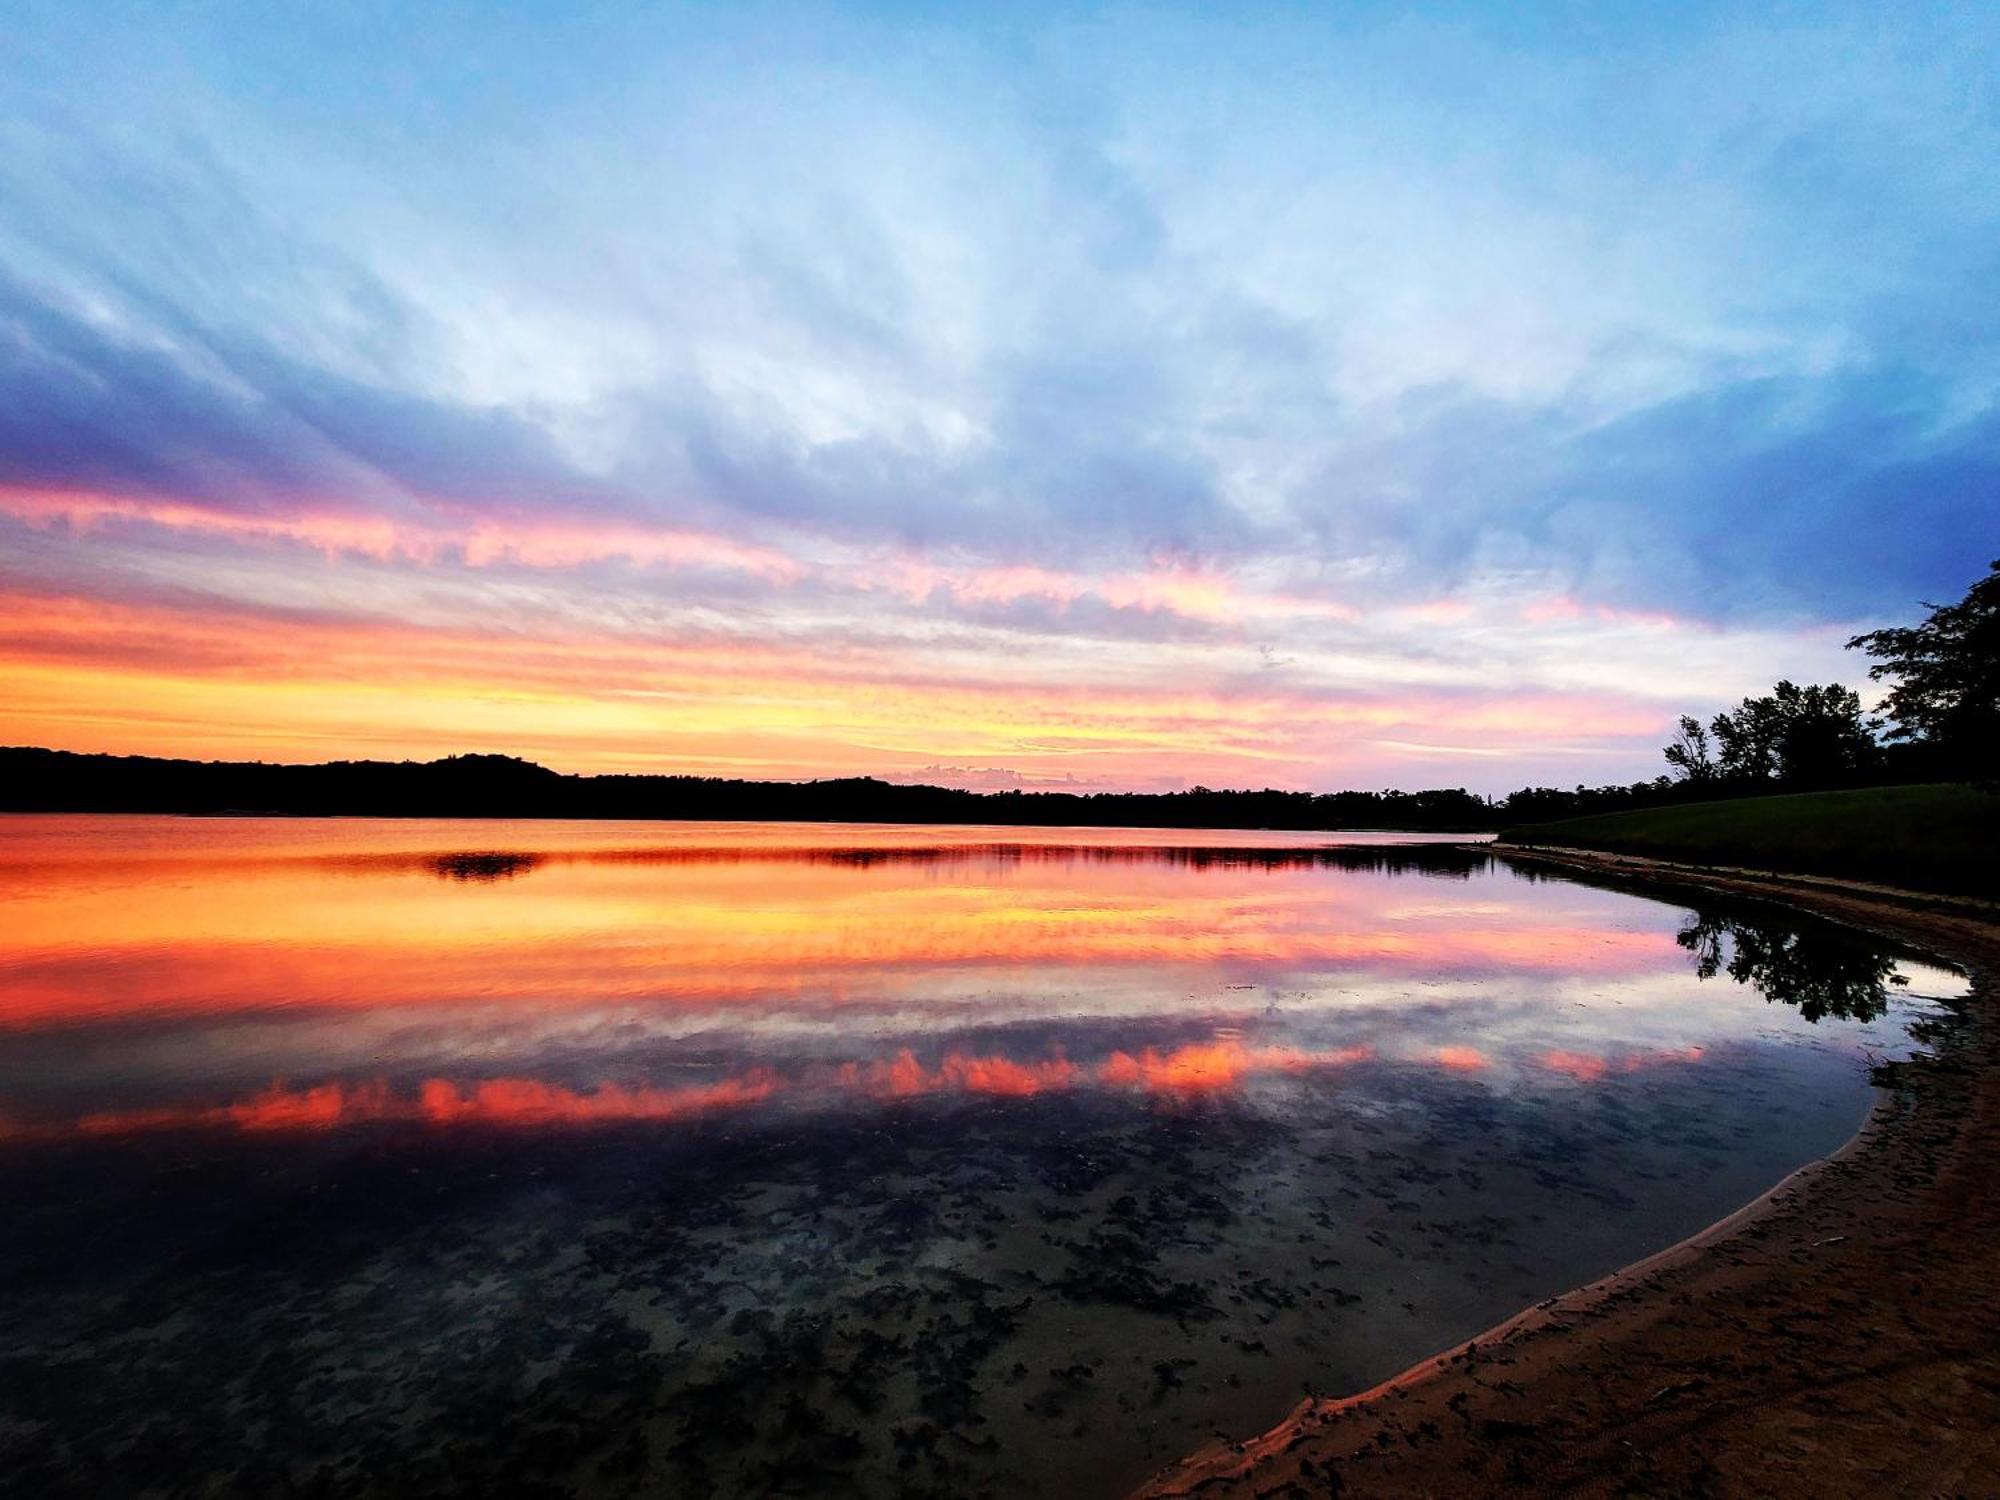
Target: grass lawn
1937,838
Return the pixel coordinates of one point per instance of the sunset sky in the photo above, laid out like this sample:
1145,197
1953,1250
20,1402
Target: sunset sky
1295,396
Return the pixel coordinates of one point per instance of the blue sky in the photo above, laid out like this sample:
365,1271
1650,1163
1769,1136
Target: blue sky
1444,398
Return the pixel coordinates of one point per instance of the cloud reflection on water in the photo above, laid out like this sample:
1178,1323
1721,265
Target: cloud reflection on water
222,924
1005,1137
1220,1066
977,962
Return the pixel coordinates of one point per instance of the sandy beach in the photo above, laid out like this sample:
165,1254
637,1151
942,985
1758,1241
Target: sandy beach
1839,1335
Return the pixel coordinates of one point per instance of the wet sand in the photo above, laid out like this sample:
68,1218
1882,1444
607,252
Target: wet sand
1840,1335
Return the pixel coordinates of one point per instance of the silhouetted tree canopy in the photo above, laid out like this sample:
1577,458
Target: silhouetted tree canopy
1804,737
1689,754
1946,674
1546,804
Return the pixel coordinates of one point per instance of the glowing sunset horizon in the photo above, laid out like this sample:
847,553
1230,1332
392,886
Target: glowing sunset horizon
1035,750
230,680
1025,400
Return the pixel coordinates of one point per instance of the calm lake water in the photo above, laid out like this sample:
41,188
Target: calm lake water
362,1157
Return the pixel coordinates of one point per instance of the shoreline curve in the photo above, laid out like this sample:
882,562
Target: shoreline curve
1839,1333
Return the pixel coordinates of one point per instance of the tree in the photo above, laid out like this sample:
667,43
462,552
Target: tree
1823,740
1947,676
1688,754
1801,736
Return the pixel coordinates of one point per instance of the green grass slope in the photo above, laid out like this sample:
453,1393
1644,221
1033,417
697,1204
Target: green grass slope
1934,838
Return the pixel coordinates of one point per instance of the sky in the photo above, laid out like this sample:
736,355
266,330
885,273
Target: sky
1125,397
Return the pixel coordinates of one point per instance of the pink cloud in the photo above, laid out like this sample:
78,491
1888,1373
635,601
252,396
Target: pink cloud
478,542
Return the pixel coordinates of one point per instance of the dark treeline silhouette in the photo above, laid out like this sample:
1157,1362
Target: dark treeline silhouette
1546,804
1796,738
500,786
1940,720
1942,714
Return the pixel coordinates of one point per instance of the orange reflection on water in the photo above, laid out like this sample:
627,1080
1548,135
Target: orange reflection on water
903,1076
520,1102
1219,1066
529,1102
526,1101
1206,1066
692,955
221,917
275,1108
1588,1067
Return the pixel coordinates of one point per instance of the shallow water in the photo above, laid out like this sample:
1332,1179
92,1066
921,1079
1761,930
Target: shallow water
568,1158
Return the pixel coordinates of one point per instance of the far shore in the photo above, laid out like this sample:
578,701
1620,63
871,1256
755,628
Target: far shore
1839,1335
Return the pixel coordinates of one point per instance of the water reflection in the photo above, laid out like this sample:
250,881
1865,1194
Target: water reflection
692,924
481,865
1822,977
1433,859
703,1160
1198,1068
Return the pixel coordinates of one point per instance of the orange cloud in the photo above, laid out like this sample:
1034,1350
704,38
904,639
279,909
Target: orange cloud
90,674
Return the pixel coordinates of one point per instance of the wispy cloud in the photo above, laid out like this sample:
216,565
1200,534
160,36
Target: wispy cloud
1570,381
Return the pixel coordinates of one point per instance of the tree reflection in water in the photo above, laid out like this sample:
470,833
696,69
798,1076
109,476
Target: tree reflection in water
1820,974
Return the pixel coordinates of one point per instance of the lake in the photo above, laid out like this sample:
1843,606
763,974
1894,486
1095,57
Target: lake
364,1156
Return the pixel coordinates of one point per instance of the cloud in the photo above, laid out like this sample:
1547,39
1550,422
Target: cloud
1093,353
999,779
183,412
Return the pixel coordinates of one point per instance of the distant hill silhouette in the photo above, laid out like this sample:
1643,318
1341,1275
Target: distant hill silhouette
501,786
